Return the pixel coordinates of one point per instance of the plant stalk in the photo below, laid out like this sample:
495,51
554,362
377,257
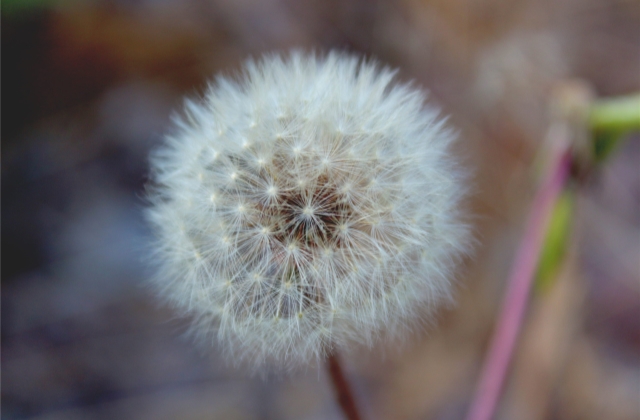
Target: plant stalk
518,288
341,387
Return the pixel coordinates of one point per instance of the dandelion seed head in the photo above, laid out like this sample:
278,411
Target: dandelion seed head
311,203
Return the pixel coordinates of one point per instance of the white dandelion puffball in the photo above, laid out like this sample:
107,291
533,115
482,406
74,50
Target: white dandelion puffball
311,203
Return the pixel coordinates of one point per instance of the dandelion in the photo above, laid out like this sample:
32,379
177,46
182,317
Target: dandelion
309,204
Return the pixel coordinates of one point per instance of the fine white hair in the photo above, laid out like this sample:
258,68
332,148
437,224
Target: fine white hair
310,203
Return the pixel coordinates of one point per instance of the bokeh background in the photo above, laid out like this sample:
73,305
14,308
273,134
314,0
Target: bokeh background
88,90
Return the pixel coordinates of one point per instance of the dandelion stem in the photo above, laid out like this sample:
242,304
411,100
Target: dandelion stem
620,113
341,387
610,119
519,286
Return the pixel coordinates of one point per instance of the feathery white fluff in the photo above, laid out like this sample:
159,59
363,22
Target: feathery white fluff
311,203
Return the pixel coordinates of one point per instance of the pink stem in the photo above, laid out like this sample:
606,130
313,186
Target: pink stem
519,286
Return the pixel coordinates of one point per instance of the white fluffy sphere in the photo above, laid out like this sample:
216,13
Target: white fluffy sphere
309,204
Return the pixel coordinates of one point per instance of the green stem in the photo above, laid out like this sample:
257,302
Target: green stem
610,119
621,113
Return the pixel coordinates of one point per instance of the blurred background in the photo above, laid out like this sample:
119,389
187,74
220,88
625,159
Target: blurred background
89,87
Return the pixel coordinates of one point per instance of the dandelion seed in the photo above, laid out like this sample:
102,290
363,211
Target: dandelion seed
334,188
